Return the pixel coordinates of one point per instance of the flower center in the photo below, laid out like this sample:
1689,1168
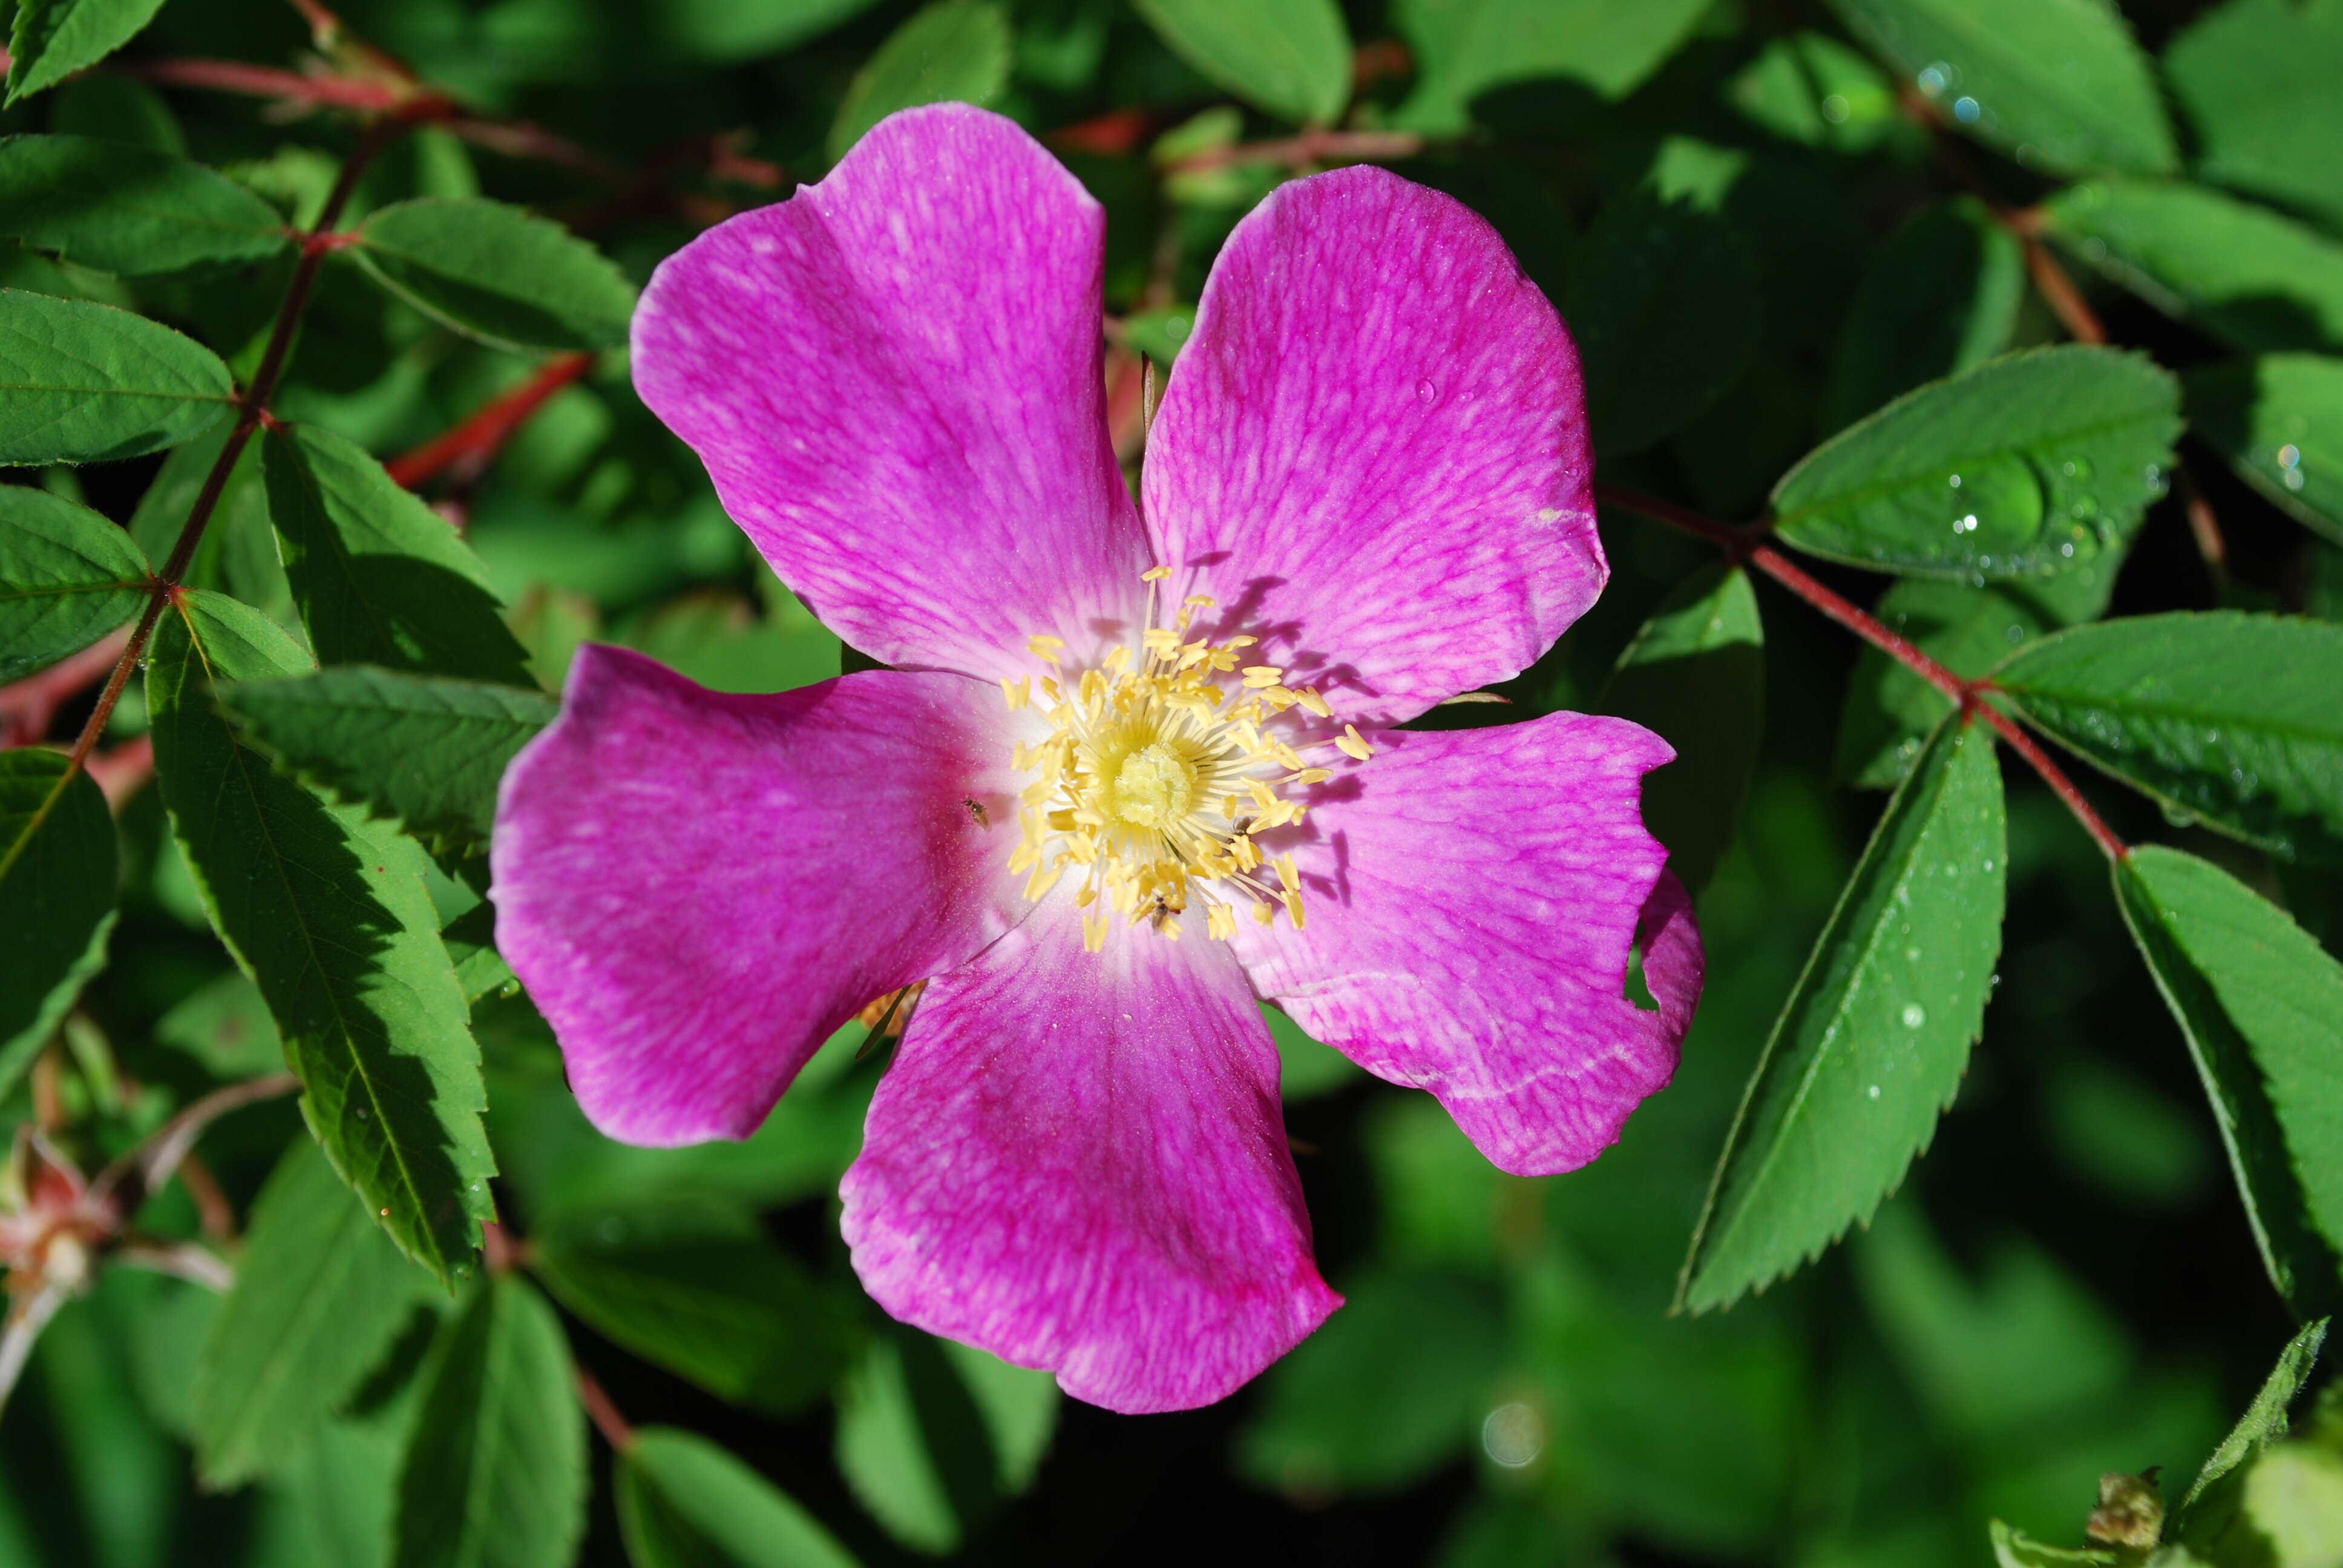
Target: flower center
1158,773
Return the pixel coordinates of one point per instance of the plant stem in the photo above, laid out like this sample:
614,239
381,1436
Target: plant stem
606,1417
1745,545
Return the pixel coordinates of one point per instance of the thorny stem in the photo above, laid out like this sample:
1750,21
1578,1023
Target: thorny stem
1747,545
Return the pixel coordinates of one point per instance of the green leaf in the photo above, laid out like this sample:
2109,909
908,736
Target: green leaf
1889,710
2279,420
1392,1388
54,38
954,51
1696,674
2241,272
471,941
329,916
238,553
320,1295
2227,716
224,1025
933,1436
424,750
2261,1005
1939,298
497,272
1871,1046
127,210
495,1470
2264,1421
2027,467
1663,301
729,31
1465,48
1160,333
1288,57
693,1285
1810,88
68,576
83,383
57,882
2057,83
684,1502
2257,78
380,577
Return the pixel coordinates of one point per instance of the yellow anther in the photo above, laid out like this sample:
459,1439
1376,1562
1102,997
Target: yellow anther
1200,601
1308,697
1220,922
1257,676
1046,649
1154,574
1352,745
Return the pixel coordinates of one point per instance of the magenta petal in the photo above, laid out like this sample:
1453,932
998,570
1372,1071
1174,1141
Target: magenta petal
1077,1162
697,889
1470,912
1374,447
894,379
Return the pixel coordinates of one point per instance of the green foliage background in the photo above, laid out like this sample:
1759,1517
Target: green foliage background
2018,323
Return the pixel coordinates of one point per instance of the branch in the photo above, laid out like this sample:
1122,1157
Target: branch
606,1417
473,445
1302,151
131,1177
1968,695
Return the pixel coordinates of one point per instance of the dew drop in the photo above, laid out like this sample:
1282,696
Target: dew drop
365,1115
1915,1015
2075,467
1425,392
1874,1091
1966,110
1835,109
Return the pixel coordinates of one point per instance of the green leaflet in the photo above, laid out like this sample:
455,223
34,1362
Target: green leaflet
1290,57
1889,710
684,1502
68,576
951,51
1466,47
1696,674
728,31
2239,271
2227,716
2028,467
2257,78
692,1284
328,917
498,273
2058,84
84,383
495,1470
1871,1046
2278,419
2264,1421
127,210
2262,1007
1663,300
54,38
320,1294
380,577
57,877
424,750
1940,297
933,1436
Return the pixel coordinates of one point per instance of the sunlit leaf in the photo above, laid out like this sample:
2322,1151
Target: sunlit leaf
329,916
126,210
68,576
1291,57
2230,717
685,1503
1466,47
2261,1005
54,38
951,51
86,383
1871,1047
2278,419
2027,467
497,272
933,1436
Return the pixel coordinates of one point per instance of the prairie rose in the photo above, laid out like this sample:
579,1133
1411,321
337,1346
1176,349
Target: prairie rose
1133,767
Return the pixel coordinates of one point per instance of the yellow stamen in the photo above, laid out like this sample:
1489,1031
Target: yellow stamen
1352,745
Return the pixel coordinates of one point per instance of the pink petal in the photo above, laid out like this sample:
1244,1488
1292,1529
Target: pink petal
697,889
1077,1162
1469,914
894,379
1373,448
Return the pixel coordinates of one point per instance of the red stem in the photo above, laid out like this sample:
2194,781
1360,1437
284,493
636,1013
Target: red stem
606,1418
1744,545
472,444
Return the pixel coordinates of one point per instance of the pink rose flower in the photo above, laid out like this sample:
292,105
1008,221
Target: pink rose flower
1134,767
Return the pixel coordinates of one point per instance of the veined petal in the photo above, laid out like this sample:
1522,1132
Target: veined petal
697,889
1473,896
1373,451
894,379
1077,1162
